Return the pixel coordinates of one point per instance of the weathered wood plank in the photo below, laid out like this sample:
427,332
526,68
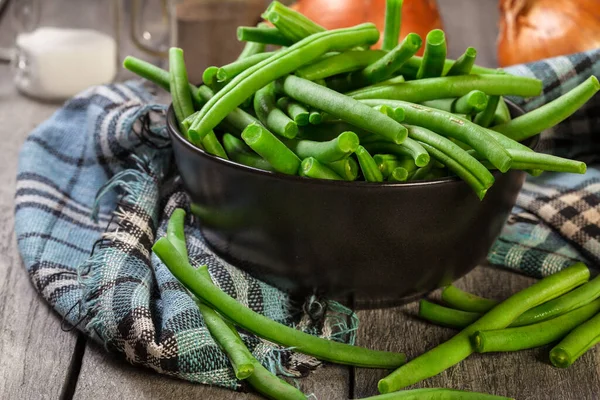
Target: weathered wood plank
104,375
522,375
34,353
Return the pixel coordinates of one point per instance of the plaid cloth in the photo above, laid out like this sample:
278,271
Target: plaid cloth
556,221
105,153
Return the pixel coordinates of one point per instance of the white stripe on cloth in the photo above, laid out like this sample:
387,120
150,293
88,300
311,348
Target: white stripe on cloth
44,201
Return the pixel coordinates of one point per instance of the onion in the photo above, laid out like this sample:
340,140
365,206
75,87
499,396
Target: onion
532,30
418,16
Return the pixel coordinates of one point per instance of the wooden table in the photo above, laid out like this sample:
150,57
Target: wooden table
39,361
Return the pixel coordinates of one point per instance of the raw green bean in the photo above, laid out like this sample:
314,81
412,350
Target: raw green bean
271,386
368,166
211,144
436,394
434,55
315,117
411,68
386,163
459,347
464,301
347,61
291,23
502,114
550,114
272,117
182,100
312,168
209,77
473,102
281,63
508,143
345,108
441,104
294,110
576,343
486,117
452,86
391,148
452,126
464,63
445,316
393,21
399,174
453,151
262,35
336,149
186,123
175,231
251,49
346,168
546,162
422,172
239,152
271,149
229,71
264,327
536,335
385,67
436,173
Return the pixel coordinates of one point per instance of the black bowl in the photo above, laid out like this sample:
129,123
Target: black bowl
384,243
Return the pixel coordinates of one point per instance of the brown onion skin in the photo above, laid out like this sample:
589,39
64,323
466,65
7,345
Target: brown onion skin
419,16
532,30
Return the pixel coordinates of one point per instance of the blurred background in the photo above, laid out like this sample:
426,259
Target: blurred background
56,47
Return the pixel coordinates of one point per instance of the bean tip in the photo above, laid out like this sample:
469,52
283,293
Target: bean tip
422,160
559,358
383,387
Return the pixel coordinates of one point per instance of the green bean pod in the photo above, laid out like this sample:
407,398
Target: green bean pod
421,173
209,77
576,343
464,64
239,152
452,86
502,114
336,149
315,117
399,174
263,35
376,147
550,114
459,347
281,63
271,149
175,231
272,117
386,164
295,111
385,67
312,168
436,394
485,117
393,21
465,301
445,316
251,49
546,162
178,84
347,61
368,166
434,55
291,23
536,335
346,168
271,386
264,327
211,145
471,103
412,66
342,107
230,71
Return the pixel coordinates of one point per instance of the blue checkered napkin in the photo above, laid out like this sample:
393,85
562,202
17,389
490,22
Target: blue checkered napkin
109,143
557,218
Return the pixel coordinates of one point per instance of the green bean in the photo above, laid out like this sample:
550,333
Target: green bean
422,172
294,110
291,23
459,347
393,21
250,49
271,149
452,126
502,114
229,71
399,150
436,394
536,335
576,343
264,327
312,168
211,144
272,117
175,231
486,117
391,81
178,83
550,114
346,168
546,162
385,67
411,68
315,117
239,152
368,166
336,149
386,163
272,386
452,86
399,174
473,102
262,35
347,61
509,144
466,301
453,151
464,64
434,56
342,107
209,77
281,63
187,122
445,316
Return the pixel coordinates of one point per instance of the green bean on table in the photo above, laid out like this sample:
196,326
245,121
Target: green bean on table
239,152
576,343
464,64
264,327
434,56
465,301
270,115
535,335
393,21
312,168
271,149
281,63
445,316
436,394
178,85
459,347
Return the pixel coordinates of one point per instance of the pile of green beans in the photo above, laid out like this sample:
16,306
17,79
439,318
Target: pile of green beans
276,101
